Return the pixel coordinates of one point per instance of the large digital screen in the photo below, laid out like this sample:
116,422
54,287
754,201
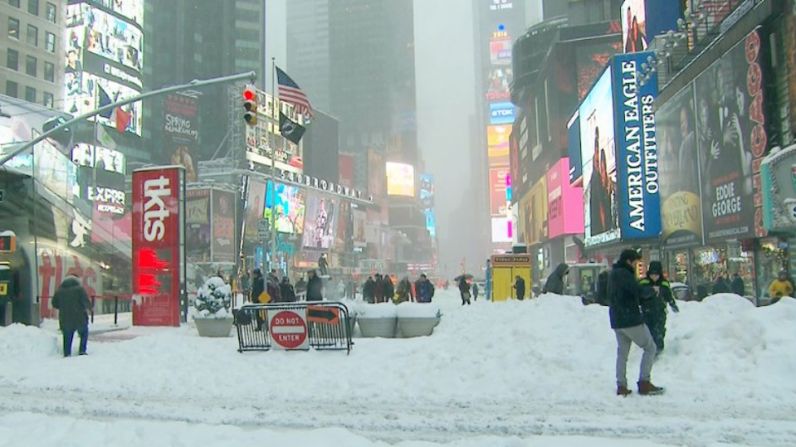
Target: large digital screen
497,190
400,179
113,39
501,113
255,203
500,50
497,138
634,26
573,150
501,229
319,225
426,191
82,93
289,207
106,159
598,157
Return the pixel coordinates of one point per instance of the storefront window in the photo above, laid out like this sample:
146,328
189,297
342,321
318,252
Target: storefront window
772,258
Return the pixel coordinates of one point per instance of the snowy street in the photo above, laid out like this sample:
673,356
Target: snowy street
513,374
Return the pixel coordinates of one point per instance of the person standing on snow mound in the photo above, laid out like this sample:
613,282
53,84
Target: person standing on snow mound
555,282
73,306
655,295
464,290
627,322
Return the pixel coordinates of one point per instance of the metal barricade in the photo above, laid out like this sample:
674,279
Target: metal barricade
328,325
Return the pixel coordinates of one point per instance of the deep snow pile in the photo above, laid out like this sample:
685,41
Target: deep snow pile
549,357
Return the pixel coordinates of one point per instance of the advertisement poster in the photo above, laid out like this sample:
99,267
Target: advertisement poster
497,138
359,218
197,225
501,230
181,131
319,226
634,26
497,191
573,151
223,226
290,208
638,191
564,202
157,259
598,157
731,139
400,179
678,162
533,214
255,203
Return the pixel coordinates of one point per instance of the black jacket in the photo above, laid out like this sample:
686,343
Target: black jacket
286,292
602,288
721,286
624,295
555,282
464,286
258,285
738,287
369,290
314,288
72,303
655,300
519,286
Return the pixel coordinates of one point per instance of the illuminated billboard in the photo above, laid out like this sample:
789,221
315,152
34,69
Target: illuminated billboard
400,179
497,190
634,26
497,138
501,229
500,50
639,27
501,113
289,207
598,158
319,224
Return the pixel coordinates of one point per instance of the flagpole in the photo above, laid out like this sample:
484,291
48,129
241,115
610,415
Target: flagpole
276,109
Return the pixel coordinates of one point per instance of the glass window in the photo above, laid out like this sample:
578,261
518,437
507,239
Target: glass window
52,13
49,42
30,94
30,65
14,3
33,36
49,71
12,59
13,28
11,88
33,7
49,100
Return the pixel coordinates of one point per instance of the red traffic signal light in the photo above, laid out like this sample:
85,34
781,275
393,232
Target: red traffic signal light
250,105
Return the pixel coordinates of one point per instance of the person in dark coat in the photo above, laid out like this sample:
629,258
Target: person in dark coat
656,293
475,291
323,265
721,285
389,289
424,289
464,290
738,287
555,282
301,286
519,287
602,288
314,287
627,321
378,289
73,306
369,290
258,285
286,290
404,292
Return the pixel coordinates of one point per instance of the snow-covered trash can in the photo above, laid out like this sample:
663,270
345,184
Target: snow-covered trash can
211,309
377,320
417,319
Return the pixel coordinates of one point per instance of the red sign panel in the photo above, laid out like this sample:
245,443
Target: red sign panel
497,191
157,260
288,330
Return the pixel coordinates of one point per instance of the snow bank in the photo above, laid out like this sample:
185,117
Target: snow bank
380,310
418,310
28,343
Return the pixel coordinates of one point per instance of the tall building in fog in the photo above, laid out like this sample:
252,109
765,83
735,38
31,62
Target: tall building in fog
308,49
199,39
32,51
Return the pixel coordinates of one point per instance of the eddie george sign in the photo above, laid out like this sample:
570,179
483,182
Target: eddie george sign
158,258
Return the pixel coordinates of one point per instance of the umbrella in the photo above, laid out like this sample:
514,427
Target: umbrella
466,276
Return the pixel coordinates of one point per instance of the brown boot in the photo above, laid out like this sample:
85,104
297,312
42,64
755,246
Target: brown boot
622,390
646,388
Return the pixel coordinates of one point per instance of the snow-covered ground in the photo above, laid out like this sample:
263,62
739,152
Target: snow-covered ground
533,373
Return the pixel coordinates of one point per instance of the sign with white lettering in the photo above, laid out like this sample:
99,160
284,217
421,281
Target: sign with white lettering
158,225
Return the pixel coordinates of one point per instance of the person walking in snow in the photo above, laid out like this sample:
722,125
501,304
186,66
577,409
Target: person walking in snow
555,282
73,306
464,290
519,287
404,292
424,289
627,321
475,291
314,287
369,290
656,293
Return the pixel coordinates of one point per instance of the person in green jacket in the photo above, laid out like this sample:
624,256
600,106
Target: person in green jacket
656,293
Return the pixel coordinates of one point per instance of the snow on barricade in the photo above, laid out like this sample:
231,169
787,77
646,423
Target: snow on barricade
380,310
20,341
418,310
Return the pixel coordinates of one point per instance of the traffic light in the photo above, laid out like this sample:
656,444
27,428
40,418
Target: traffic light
250,104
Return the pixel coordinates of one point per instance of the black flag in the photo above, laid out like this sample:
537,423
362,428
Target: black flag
290,129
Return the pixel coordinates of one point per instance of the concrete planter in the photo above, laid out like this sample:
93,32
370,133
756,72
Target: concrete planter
214,327
417,327
377,327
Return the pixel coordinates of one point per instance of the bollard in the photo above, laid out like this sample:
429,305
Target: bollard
116,310
93,302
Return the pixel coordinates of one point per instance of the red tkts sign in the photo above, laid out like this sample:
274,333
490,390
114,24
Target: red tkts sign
158,223
289,329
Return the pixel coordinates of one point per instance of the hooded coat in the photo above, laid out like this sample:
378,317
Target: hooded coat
555,282
72,303
314,289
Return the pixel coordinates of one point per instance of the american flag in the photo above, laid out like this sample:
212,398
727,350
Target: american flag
290,92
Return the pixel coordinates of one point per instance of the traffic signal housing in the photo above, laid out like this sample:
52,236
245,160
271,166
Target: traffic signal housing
250,105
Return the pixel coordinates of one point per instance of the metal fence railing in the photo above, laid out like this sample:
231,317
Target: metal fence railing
326,325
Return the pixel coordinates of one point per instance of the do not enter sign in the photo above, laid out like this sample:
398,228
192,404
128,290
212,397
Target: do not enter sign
289,329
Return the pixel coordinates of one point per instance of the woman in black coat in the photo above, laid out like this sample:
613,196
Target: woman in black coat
314,287
73,306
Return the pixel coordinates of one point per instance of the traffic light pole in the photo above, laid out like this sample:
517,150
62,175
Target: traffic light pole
193,84
276,109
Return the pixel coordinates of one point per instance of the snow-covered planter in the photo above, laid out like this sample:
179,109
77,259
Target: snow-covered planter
211,309
417,319
377,320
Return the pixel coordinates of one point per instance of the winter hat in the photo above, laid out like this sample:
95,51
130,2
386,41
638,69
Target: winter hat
629,255
655,267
